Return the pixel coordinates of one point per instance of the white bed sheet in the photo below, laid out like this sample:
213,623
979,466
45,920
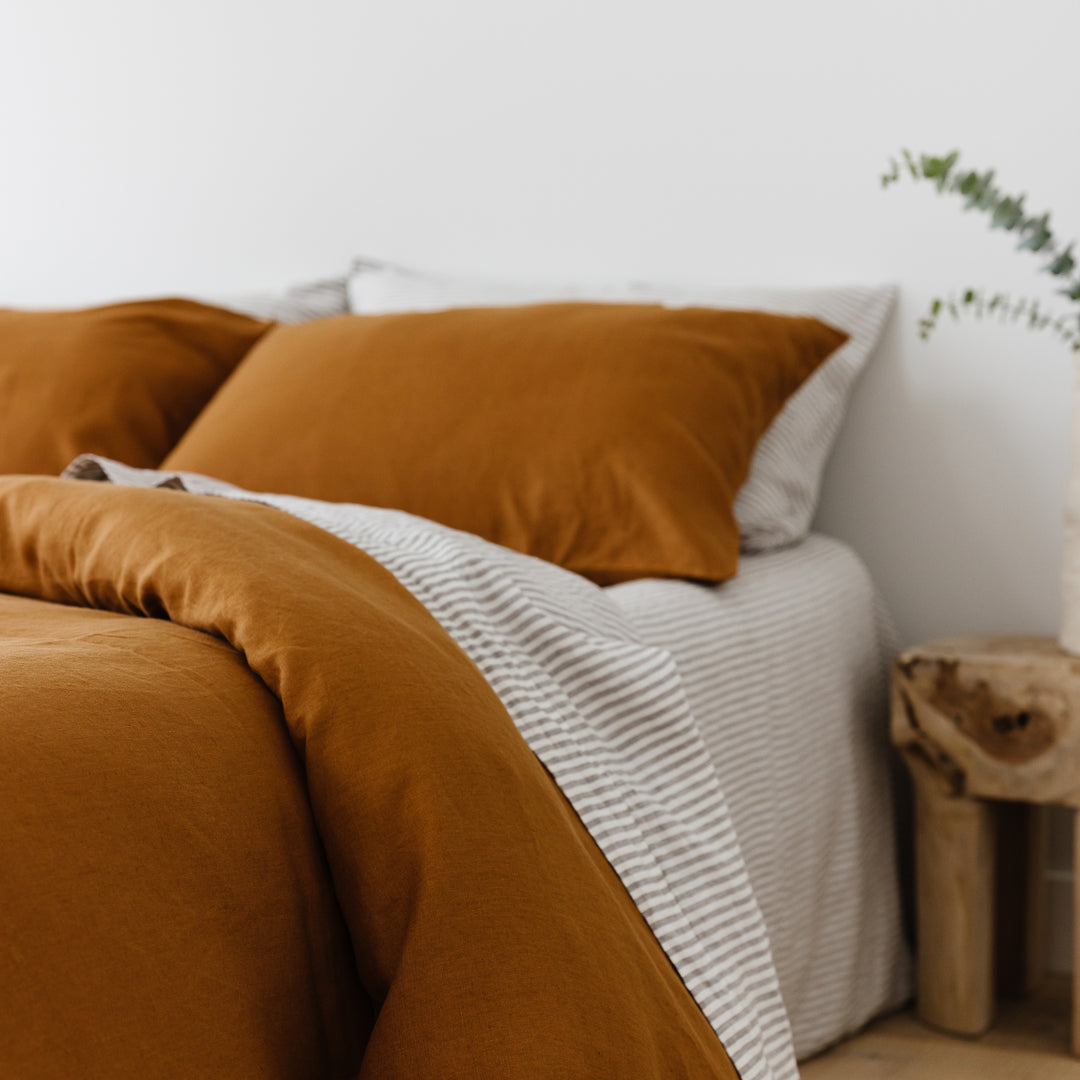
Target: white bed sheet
785,668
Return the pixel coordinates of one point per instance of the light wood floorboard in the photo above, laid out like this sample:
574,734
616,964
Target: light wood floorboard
1029,1041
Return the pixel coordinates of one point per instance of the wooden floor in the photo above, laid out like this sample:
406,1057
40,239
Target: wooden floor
1029,1041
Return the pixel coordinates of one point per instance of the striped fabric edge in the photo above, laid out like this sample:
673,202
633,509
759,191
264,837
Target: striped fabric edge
608,718
786,671
776,505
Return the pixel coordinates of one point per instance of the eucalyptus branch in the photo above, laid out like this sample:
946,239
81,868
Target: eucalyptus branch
982,305
1006,212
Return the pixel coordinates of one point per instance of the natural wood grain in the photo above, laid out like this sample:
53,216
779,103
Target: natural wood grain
1029,1041
984,722
996,718
954,875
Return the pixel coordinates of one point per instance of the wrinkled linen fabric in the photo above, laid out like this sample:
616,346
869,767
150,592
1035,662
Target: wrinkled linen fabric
607,717
490,937
166,910
786,669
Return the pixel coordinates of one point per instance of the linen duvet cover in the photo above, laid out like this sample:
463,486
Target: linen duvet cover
336,791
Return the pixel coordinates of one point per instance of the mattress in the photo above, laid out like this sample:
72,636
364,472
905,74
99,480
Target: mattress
785,669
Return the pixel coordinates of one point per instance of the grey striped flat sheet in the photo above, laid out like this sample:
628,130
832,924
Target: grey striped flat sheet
785,670
607,716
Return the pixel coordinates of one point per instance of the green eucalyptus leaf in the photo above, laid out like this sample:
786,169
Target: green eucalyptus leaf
980,190
967,183
1008,213
1036,234
1062,264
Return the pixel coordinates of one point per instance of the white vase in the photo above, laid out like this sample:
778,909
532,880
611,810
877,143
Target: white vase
1070,571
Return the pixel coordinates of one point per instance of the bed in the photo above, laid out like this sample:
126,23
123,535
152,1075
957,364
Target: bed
320,769
785,670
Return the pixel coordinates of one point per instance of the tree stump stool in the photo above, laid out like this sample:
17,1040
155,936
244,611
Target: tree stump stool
990,730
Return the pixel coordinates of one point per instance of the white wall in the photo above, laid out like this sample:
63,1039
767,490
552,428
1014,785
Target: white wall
233,144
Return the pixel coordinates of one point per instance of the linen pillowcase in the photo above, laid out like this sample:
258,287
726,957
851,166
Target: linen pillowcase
320,299
124,380
776,505
610,439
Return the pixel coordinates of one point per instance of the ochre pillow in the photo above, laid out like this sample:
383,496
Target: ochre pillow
608,438
124,380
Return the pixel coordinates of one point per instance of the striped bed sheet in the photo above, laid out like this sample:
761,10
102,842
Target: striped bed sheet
605,693
607,716
785,670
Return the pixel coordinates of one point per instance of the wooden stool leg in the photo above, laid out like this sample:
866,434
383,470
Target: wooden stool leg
1076,939
1038,849
1020,916
955,898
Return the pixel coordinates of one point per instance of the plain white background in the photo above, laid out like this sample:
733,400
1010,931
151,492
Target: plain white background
232,145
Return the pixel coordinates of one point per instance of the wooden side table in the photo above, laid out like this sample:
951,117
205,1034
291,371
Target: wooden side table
990,729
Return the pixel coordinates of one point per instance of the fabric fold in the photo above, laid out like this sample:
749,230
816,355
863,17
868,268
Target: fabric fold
490,933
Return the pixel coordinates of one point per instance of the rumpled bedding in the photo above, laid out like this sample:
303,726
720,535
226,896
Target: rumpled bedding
262,816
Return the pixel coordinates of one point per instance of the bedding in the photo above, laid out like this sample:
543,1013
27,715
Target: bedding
785,669
241,853
610,439
124,380
776,505
321,299
158,843
167,909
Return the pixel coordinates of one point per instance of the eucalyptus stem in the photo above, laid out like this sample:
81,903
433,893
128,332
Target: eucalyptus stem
981,304
1006,212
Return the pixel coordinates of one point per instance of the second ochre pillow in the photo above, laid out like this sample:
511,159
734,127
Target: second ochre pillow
610,439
